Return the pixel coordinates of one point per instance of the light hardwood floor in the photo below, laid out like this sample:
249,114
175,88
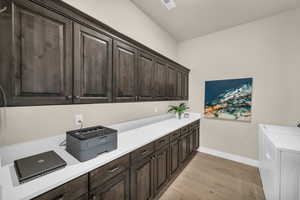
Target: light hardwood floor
211,178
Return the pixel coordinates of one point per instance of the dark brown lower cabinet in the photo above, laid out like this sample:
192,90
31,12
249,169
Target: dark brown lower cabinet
142,179
194,139
195,136
141,175
115,189
174,157
191,141
76,189
183,148
162,172
197,139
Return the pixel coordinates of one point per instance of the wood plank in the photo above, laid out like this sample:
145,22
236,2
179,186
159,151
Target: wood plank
212,178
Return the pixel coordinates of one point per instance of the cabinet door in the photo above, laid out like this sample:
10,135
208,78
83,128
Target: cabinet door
115,189
125,72
196,138
93,66
142,179
42,53
145,76
183,149
161,174
197,143
185,86
160,79
179,85
191,141
174,157
171,83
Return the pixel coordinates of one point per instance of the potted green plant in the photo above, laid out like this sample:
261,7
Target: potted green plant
178,110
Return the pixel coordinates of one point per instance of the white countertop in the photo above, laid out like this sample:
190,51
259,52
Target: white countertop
127,142
283,138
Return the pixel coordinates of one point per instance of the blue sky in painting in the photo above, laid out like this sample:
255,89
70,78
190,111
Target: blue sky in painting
214,88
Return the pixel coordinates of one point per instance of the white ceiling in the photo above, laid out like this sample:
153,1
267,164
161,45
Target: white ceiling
193,18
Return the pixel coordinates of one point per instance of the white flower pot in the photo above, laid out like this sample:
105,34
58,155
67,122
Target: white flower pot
178,116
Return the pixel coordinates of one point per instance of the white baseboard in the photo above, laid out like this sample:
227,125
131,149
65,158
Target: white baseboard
236,158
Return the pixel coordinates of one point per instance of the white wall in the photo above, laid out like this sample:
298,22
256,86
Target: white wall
27,123
267,50
125,17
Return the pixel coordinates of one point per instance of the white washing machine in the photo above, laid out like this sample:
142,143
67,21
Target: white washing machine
279,155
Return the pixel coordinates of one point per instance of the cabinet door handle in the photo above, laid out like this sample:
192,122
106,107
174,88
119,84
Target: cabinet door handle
3,9
77,97
161,141
69,97
114,169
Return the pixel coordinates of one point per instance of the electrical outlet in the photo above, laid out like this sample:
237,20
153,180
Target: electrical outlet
78,119
155,109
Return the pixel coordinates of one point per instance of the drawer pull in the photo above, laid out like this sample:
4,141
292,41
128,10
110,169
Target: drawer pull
114,169
69,97
161,141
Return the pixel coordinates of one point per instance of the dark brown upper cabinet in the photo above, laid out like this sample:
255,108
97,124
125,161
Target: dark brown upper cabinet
160,80
125,72
92,66
42,56
171,83
145,76
185,86
179,89
56,55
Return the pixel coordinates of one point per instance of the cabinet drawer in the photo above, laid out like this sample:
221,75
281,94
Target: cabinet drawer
142,152
116,188
75,189
102,174
174,135
161,142
184,130
195,124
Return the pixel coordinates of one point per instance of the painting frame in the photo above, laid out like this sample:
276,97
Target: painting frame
229,99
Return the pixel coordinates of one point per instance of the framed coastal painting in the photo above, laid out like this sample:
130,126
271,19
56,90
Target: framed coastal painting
229,99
